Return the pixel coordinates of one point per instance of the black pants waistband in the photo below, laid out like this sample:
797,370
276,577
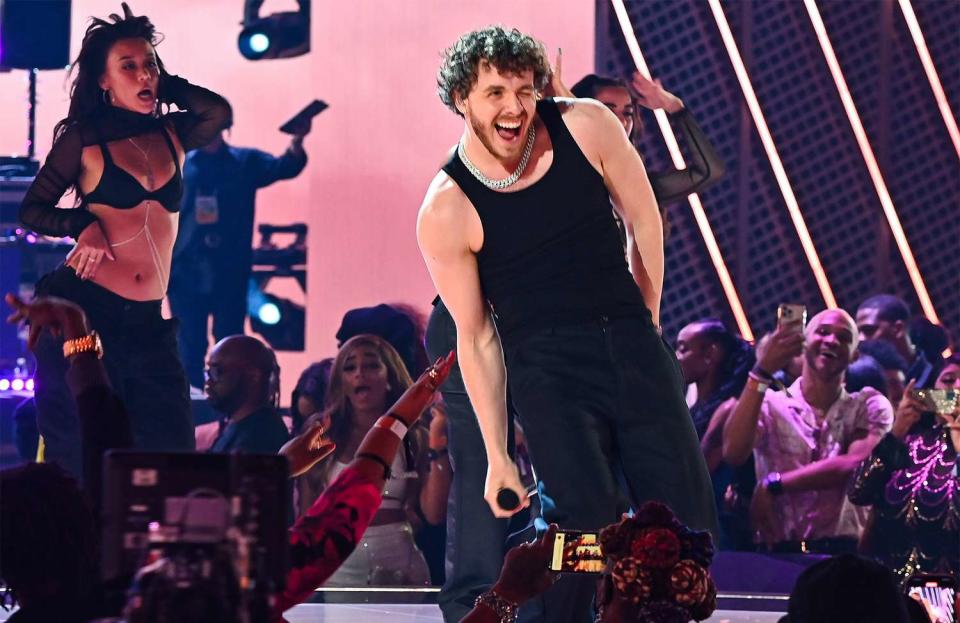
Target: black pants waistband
94,298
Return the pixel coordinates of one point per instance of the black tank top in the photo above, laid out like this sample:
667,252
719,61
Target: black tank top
551,252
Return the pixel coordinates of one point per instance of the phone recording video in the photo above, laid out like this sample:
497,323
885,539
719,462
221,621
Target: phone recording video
936,593
577,552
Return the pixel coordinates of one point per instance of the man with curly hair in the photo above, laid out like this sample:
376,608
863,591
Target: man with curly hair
517,233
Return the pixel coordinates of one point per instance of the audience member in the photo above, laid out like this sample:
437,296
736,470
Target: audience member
806,441
242,381
932,339
367,376
846,589
320,540
310,393
656,571
865,372
910,479
893,365
887,317
390,323
717,362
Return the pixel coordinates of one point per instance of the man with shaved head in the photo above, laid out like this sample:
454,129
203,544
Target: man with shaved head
808,440
242,384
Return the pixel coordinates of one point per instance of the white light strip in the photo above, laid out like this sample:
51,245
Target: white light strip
871,161
699,214
770,147
932,76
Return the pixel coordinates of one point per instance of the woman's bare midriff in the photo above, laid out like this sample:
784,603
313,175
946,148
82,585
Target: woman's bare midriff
134,273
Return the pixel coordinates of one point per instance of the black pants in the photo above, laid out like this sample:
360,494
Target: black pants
602,403
228,306
140,355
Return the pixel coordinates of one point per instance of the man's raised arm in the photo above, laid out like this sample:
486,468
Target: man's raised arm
445,228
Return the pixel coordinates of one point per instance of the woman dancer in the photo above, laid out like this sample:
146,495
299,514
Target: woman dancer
122,156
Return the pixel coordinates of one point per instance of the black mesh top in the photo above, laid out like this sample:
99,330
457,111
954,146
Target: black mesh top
704,168
202,116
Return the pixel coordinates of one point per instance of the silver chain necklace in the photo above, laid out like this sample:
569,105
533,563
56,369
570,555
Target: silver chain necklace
507,181
150,179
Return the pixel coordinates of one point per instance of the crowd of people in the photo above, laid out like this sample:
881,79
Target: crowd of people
824,438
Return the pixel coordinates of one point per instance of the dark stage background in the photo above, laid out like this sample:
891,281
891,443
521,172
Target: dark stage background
683,46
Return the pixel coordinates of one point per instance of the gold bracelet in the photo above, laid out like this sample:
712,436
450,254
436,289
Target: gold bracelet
87,344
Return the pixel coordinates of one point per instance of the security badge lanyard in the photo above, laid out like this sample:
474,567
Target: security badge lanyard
207,212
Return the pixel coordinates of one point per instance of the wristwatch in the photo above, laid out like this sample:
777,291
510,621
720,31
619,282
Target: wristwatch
773,483
87,344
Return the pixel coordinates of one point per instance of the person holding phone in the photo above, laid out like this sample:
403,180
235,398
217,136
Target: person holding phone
911,482
122,155
213,255
807,439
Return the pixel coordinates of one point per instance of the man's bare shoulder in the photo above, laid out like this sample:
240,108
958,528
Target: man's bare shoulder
583,110
444,198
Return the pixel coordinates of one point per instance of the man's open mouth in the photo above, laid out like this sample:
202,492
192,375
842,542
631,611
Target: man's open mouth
508,130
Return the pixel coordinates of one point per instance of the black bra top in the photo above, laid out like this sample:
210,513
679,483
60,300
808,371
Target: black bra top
118,189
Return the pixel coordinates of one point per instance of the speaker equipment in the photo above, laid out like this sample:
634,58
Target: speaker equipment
34,34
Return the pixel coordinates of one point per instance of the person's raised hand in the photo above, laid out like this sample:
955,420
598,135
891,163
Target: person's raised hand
526,569
555,87
307,449
651,94
91,249
776,349
59,316
410,406
908,412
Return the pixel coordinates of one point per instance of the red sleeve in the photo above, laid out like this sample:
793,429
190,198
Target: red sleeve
326,535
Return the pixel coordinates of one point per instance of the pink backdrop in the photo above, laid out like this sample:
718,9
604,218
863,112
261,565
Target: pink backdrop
372,153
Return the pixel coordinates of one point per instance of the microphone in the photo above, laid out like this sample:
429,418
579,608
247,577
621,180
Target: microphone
507,499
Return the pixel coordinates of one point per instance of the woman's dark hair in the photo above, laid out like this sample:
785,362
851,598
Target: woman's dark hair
49,539
507,50
735,363
590,85
86,96
313,383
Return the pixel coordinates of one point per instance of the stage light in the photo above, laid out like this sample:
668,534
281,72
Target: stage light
713,249
30,385
873,167
4,385
17,385
269,313
280,35
779,172
281,322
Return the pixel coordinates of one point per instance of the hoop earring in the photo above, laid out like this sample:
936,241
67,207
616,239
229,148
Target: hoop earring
106,97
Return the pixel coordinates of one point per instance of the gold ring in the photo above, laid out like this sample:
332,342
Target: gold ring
433,374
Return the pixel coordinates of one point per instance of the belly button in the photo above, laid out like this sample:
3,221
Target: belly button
137,277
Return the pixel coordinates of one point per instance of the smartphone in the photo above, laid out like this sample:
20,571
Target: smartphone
792,316
575,551
313,109
937,400
936,593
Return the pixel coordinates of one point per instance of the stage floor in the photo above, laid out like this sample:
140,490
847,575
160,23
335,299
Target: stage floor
430,613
